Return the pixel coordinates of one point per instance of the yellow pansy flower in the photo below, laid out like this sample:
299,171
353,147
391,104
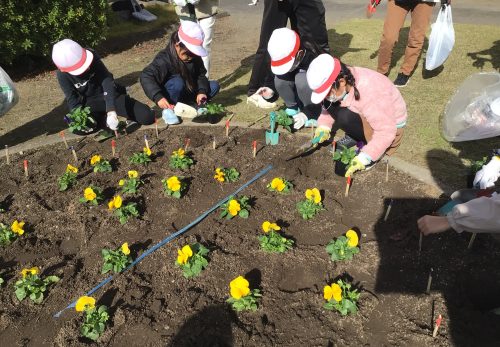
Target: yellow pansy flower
219,175
234,207
89,194
121,182
314,195
95,159
352,238
278,184
180,153
84,303
124,248
17,227
268,226
184,254
71,168
174,184
334,291
32,271
147,151
133,174
116,202
239,287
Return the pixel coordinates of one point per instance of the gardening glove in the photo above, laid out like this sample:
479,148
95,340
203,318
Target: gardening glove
265,92
181,3
299,120
321,134
193,2
358,163
487,176
112,120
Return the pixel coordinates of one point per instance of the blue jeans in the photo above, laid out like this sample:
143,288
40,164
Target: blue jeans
177,91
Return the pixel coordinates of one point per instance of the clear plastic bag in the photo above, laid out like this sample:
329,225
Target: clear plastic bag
441,40
8,93
473,113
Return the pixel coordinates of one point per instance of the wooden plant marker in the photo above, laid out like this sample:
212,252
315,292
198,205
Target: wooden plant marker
388,210
156,128
472,238
113,147
7,154
26,168
312,132
116,133
254,146
227,128
436,327
146,142
214,144
429,282
186,145
387,170
420,242
64,139
74,154
347,186
334,146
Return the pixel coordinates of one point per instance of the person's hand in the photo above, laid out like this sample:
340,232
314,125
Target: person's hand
488,175
201,99
265,92
299,120
112,120
433,224
163,103
321,134
358,163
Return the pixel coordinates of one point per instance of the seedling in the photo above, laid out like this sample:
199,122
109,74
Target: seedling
341,297
273,241
9,234
141,158
180,160
33,286
116,260
94,321
309,207
92,195
174,186
478,164
99,164
123,212
67,179
280,185
79,119
130,184
345,155
344,247
284,120
214,109
242,298
223,174
191,259
236,207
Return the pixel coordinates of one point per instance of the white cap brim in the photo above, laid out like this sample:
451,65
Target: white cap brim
317,98
197,50
85,65
282,69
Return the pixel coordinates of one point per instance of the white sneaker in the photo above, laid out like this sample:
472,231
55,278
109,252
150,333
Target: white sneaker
259,101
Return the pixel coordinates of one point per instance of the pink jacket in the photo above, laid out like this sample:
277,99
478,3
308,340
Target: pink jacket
380,104
481,215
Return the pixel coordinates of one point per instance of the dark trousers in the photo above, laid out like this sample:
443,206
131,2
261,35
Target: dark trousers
307,17
346,120
177,91
125,107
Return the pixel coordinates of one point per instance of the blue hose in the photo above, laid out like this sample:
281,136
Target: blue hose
170,237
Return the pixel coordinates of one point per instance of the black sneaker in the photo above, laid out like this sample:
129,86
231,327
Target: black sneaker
401,80
346,141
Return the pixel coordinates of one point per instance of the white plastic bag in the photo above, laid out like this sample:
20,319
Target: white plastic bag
441,40
473,113
8,93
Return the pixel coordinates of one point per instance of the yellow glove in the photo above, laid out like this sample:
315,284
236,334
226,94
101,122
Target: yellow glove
321,134
358,163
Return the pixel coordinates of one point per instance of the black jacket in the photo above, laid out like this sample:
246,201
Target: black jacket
156,74
96,82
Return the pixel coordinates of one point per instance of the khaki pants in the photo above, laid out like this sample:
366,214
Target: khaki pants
420,15
368,131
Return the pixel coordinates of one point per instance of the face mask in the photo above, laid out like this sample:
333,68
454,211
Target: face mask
336,98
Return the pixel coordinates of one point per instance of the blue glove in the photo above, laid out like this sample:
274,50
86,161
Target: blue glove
169,116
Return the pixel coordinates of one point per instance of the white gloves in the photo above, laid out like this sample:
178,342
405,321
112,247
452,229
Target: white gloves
299,120
265,92
112,120
488,175
183,3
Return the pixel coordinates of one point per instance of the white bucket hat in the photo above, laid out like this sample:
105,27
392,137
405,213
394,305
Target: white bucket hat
191,35
70,57
322,73
282,47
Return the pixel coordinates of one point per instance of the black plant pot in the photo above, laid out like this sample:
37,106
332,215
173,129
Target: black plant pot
470,180
340,168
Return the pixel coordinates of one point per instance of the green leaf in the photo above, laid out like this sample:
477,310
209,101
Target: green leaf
20,293
243,213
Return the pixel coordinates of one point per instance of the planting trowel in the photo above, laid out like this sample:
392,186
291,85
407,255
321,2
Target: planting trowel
272,137
307,148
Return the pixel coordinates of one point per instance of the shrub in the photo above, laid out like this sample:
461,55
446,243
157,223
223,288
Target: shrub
31,27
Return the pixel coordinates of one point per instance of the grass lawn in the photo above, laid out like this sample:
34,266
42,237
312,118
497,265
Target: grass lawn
356,43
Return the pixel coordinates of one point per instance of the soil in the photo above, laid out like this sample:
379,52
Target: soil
154,305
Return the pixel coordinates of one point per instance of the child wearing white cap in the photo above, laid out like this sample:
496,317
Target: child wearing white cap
177,73
86,82
290,58
363,103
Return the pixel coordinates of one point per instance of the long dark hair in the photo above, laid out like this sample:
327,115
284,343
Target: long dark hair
177,63
346,74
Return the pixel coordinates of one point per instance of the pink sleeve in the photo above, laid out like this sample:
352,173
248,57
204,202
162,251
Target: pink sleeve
478,215
325,119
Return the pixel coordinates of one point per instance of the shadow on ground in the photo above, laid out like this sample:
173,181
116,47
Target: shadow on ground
491,55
